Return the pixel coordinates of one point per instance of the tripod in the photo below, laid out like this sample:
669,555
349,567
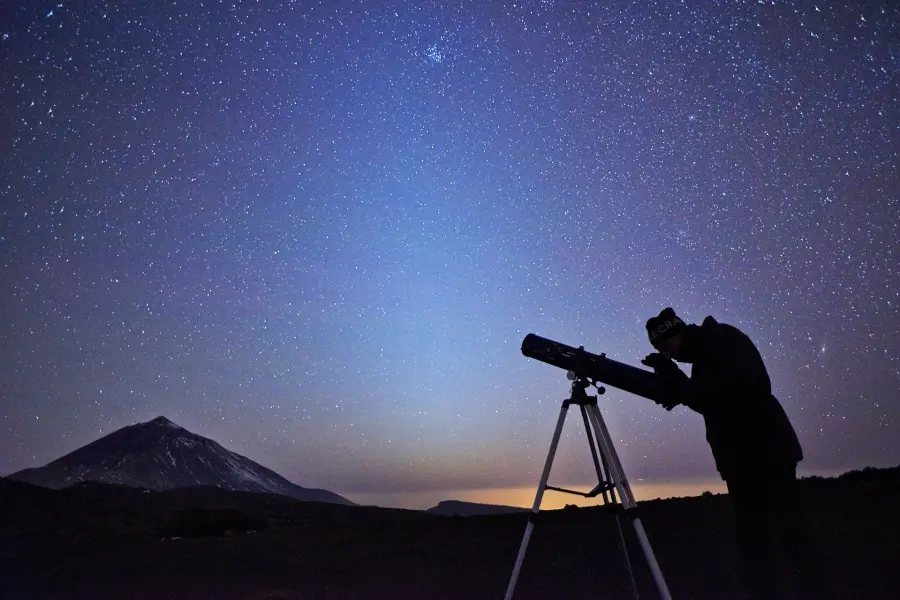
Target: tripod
614,482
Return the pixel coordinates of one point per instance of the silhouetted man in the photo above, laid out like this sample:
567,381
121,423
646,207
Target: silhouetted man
753,443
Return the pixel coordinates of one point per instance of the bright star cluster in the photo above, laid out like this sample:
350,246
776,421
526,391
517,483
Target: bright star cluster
317,232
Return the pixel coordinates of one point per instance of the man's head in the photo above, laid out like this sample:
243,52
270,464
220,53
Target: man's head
666,332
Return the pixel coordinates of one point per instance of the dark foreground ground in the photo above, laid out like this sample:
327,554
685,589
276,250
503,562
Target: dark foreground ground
99,542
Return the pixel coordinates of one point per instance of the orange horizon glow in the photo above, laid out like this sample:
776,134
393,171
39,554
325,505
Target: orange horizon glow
524,496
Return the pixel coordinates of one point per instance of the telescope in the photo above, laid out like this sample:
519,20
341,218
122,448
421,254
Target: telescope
594,367
585,368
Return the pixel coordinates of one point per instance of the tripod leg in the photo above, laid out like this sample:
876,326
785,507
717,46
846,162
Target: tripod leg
537,500
609,497
597,466
618,476
634,588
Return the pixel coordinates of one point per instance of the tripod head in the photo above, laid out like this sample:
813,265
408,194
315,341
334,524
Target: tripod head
580,385
582,364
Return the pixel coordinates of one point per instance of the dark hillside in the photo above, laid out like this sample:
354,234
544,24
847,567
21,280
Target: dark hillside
109,542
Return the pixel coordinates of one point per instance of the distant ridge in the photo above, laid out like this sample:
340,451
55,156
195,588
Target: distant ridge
451,508
160,455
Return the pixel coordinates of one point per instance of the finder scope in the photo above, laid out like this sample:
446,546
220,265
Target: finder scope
593,367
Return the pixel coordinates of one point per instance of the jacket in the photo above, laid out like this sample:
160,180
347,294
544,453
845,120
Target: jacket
746,427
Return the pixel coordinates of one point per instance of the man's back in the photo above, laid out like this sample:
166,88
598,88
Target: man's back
746,426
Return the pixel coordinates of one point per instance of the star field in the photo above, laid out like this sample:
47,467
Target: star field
317,232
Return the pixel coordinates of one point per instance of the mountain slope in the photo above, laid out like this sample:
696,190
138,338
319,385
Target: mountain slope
161,455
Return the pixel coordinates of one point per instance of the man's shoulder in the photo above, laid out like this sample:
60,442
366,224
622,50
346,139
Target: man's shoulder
722,332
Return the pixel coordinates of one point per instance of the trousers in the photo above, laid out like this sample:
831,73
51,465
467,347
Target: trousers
767,509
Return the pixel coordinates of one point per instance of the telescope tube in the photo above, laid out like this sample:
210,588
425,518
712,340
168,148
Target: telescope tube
592,366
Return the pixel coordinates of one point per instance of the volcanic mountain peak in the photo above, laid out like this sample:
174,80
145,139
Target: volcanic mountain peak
159,455
163,421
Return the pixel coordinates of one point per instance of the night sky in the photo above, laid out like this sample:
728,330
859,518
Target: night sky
317,232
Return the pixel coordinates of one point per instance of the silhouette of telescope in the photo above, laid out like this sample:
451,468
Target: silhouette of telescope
593,367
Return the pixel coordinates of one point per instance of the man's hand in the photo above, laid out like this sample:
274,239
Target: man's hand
671,376
658,362
663,366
